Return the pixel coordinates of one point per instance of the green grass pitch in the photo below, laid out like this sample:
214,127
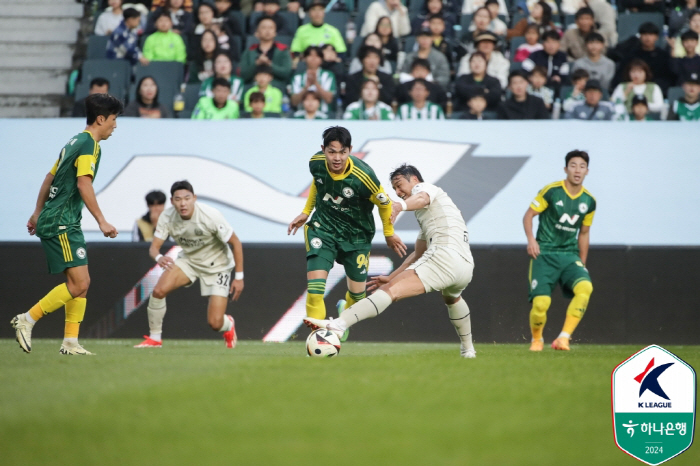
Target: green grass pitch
197,403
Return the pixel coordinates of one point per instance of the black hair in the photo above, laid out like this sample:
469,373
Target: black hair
207,5
199,52
159,14
546,13
516,73
579,73
264,69
436,16
420,81
376,29
554,35
220,82
102,104
407,171
131,13
99,82
649,28
689,35
541,70
693,13
576,153
309,92
337,134
420,62
256,97
178,185
366,50
138,88
313,48
155,198
584,11
595,37
263,18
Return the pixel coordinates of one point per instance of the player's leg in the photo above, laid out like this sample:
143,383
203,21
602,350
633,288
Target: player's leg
576,281
457,308
356,264
542,277
320,255
216,287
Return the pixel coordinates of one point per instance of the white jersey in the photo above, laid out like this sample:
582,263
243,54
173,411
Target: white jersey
441,222
203,238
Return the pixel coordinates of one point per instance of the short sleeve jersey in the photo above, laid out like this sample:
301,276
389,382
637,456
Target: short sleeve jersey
344,203
203,238
561,217
63,209
441,222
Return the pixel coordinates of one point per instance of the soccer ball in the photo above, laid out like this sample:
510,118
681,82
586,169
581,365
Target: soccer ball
322,343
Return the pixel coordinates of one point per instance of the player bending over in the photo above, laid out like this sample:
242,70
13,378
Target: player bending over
204,236
344,191
442,260
566,210
56,221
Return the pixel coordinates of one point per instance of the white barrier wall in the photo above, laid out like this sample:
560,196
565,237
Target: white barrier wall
643,175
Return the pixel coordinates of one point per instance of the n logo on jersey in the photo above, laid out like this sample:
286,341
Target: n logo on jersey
570,220
338,199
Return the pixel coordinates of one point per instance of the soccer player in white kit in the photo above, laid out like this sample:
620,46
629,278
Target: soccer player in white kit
204,236
442,260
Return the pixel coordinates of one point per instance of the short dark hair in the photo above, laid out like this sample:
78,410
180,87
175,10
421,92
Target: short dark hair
256,97
579,73
595,37
264,69
313,48
178,185
311,93
436,16
554,35
220,82
689,35
263,18
102,104
584,11
516,73
159,14
131,13
576,153
366,50
541,70
99,82
649,28
638,63
478,54
420,62
407,171
421,81
155,198
338,134
532,27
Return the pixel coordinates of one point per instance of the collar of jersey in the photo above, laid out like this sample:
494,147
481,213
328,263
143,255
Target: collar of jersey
349,166
86,131
563,185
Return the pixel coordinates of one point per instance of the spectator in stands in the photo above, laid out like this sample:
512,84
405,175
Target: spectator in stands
678,49
219,106
369,107
97,86
573,43
155,4
592,108
470,6
575,96
538,86
687,108
679,16
273,96
398,14
540,14
640,109
498,66
333,63
268,52
439,66
317,32
496,26
430,8
390,45
164,44
603,12
478,82
440,43
146,104
420,108
311,102
145,226
316,79
271,8
110,19
638,81
182,20
202,67
553,4
257,106
531,44
551,59
294,6
124,41
420,69
370,58
223,68
476,105
226,11
690,63
481,23
521,105
207,18
597,65
371,40
642,6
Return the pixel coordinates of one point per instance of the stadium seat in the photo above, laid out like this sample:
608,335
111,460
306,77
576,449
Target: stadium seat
97,47
465,21
517,17
191,97
675,93
240,17
515,42
569,20
415,7
409,44
628,23
117,72
515,65
338,19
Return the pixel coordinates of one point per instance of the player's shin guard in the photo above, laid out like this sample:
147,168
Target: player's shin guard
369,307
351,298
577,306
75,311
156,314
538,315
55,299
315,307
460,317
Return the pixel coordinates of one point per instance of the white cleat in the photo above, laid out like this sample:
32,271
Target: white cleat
331,325
467,353
23,332
75,349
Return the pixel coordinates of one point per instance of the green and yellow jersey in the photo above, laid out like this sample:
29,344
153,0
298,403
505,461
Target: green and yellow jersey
561,217
344,203
63,210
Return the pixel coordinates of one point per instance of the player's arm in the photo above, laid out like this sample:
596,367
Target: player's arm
154,251
533,249
384,205
237,282
414,202
376,282
584,239
40,201
301,219
88,194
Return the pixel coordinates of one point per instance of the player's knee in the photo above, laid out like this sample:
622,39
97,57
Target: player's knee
216,322
449,300
584,288
79,288
540,304
159,292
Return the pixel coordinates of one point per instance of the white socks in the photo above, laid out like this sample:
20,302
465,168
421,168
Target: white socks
366,308
228,324
156,313
564,335
70,341
459,316
29,318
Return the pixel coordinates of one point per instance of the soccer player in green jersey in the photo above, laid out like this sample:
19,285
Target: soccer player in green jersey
344,191
56,221
560,250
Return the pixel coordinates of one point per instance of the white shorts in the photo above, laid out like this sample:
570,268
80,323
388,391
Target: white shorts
442,269
210,284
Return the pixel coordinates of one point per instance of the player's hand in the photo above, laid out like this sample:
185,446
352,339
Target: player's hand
533,249
375,282
297,223
236,289
166,262
108,230
395,243
31,224
395,211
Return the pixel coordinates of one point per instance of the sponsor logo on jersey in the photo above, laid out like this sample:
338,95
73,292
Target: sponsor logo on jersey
336,200
560,203
80,252
569,219
319,180
583,207
348,192
198,232
534,284
316,243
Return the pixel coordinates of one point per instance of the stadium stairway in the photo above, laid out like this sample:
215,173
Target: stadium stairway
37,42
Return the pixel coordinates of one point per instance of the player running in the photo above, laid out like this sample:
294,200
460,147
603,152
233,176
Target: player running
344,191
442,260
566,209
56,221
204,236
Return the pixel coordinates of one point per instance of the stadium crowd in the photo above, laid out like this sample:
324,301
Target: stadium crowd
430,59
